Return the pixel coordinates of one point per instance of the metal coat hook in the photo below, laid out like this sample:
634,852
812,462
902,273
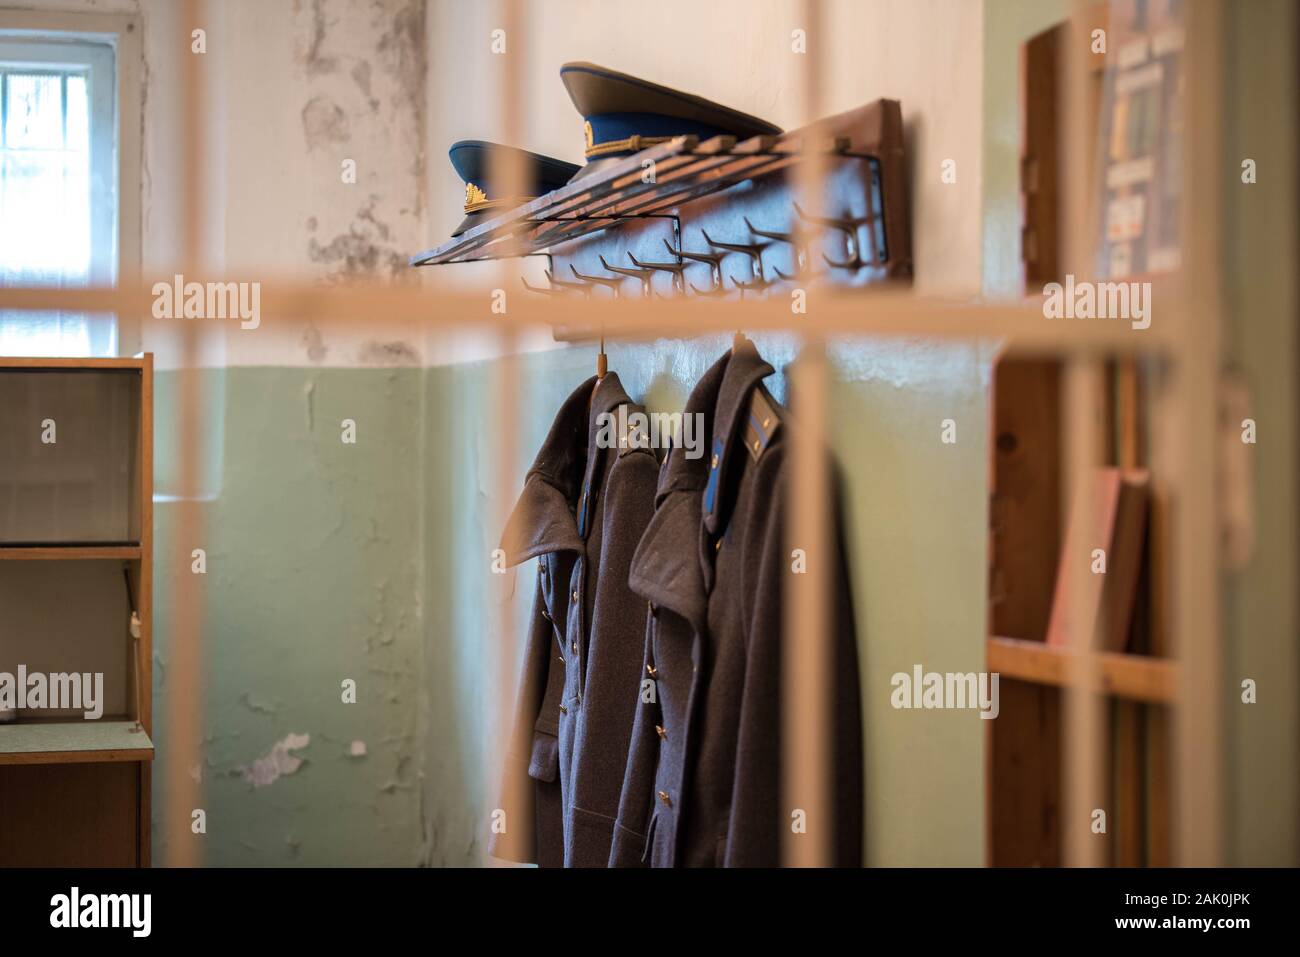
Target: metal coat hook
540,290
800,252
609,283
714,260
753,250
565,284
755,253
752,285
849,227
675,268
643,275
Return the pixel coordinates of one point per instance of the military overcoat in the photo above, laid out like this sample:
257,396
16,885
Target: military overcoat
702,783
586,500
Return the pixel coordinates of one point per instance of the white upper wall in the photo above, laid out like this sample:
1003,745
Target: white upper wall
925,53
294,89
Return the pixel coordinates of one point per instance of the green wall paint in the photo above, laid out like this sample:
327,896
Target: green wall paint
313,576
1260,344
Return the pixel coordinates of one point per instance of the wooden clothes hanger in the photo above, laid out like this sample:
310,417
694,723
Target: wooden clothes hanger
602,368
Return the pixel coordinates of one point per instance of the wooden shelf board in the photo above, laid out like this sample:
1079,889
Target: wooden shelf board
73,741
1132,677
68,552
105,364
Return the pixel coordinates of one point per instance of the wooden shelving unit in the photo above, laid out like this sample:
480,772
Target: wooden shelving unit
76,560
1027,762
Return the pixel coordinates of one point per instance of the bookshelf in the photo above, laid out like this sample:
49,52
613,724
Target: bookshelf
1137,681
76,562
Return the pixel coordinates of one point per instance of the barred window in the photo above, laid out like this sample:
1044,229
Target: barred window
58,188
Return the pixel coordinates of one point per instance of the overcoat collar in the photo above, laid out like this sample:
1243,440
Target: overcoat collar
550,513
669,567
745,369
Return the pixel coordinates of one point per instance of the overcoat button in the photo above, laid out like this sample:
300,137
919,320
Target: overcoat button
563,710
663,796
575,594
713,463
546,614
652,671
659,729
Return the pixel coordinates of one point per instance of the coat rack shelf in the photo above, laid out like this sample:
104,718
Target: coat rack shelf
863,223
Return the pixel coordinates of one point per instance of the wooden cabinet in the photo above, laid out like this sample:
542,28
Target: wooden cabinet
76,583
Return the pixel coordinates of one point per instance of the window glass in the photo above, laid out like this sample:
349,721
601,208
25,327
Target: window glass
51,146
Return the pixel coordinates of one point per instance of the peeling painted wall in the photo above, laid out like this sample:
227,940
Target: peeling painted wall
313,577
319,84
328,91
314,550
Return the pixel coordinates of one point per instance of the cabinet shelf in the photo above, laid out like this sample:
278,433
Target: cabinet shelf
125,552
74,741
1133,677
38,363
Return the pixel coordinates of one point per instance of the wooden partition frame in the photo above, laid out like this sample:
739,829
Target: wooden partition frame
1190,343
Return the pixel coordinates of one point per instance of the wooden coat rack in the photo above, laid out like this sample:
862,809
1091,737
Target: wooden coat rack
716,218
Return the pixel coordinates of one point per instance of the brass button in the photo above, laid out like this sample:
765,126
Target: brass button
717,546
652,671
541,570
574,647
756,445
659,729
563,710
663,796
575,594
713,463
561,657
546,614
766,423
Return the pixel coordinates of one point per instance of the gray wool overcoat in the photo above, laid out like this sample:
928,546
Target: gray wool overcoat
702,783
586,500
